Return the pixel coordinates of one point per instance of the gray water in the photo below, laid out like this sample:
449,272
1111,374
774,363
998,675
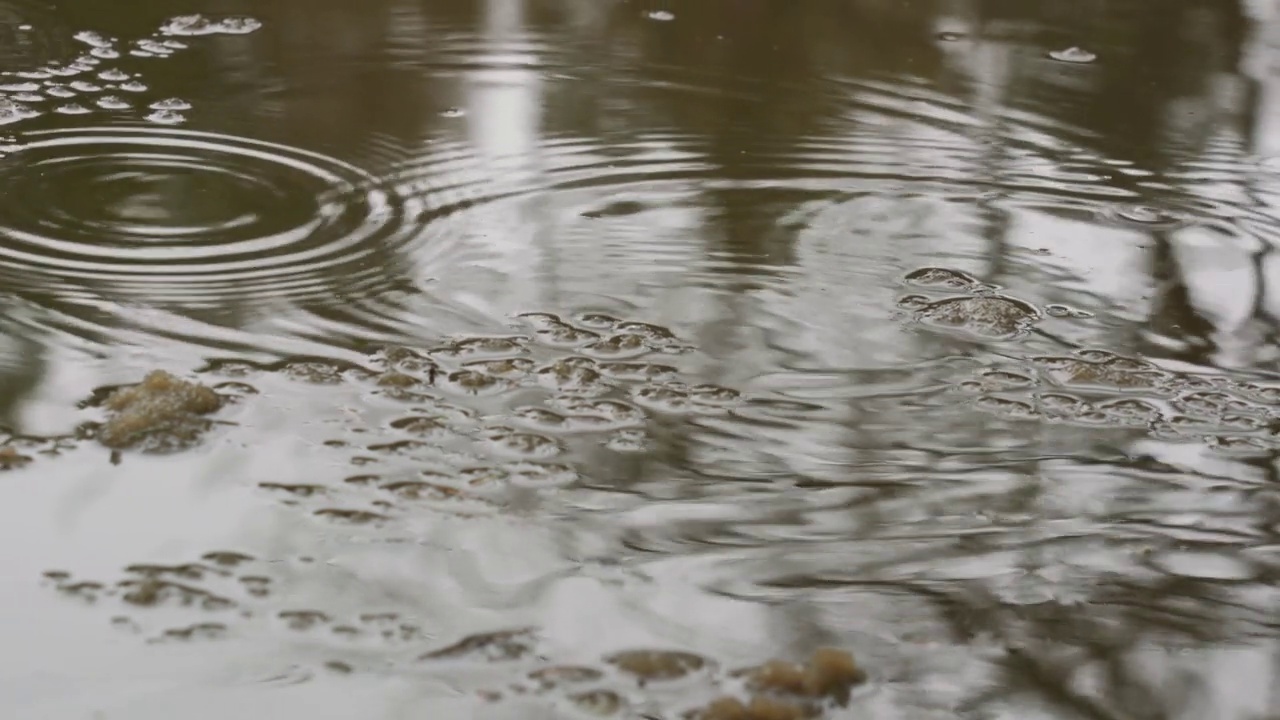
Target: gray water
941,333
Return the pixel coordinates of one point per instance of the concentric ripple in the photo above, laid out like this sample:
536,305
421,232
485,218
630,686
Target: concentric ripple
190,218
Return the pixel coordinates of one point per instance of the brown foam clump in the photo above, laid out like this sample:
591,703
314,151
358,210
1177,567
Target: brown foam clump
788,691
11,459
760,708
163,412
653,665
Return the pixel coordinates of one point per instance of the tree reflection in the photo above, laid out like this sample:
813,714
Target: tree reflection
767,94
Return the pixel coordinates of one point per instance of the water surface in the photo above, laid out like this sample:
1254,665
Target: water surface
547,331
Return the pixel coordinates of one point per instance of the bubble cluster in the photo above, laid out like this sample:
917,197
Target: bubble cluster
197,24
485,425
82,85
979,311
237,594
1098,388
1091,387
621,682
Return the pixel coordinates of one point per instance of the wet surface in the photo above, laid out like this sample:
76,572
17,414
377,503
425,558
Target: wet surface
734,360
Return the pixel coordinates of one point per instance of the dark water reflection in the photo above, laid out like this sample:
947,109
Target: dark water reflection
1036,480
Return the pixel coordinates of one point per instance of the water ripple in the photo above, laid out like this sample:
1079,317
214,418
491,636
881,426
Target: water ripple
189,218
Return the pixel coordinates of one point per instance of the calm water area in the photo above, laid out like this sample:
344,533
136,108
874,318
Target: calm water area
550,359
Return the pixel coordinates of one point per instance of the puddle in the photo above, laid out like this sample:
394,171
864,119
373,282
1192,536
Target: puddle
688,360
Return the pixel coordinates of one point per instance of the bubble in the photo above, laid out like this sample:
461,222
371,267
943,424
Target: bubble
597,321
1137,411
419,490
302,620
190,25
623,345
1266,394
93,39
616,412
152,592
1007,407
256,585
566,336
565,675
643,372
1238,446
227,558
351,516
913,302
198,631
628,441
541,320
472,382
598,703
488,647
113,75
105,53
151,48
1004,378
316,372
482,347
1061,404
571,377
84,86
133,86
20,87
540,475
662,398
1073,55
1207,403
942,278
660,15
96,207
541,418
422,425
12,111
398,384
171,104
1112,373
951,36
166,117
72,109
653,334
1241,422
502,367
715,395
522,444
294,489
994,317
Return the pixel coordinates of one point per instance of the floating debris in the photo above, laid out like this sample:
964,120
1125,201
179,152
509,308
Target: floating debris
1074,55
161,413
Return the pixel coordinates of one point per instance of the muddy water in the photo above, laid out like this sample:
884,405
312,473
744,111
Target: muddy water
723,359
